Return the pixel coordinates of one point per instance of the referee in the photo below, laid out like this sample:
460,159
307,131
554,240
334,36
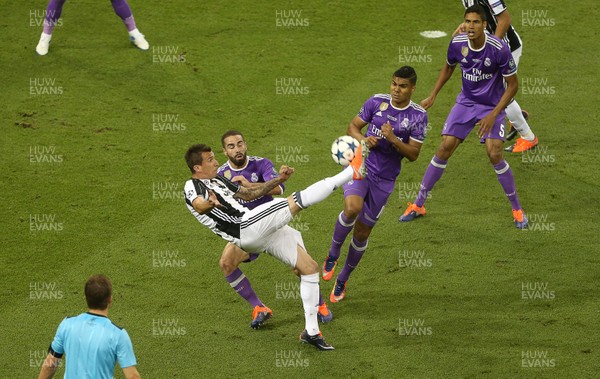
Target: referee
92,343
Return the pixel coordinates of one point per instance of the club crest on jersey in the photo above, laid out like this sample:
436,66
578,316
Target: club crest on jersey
383,107
464,51
254,177
404,124
227,174
487,62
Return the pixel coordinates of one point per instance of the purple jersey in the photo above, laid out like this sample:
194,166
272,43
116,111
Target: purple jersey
408,123
257,170
482,70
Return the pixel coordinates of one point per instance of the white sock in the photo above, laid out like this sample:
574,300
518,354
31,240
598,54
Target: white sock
513,111
320,190
309,292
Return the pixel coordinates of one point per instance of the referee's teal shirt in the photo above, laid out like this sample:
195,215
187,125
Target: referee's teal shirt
92,344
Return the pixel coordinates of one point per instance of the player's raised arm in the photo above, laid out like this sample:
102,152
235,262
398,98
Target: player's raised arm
355,130
203,206
262,189
444,75
409,150
503,23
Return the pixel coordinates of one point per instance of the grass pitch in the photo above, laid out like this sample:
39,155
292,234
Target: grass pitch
93,139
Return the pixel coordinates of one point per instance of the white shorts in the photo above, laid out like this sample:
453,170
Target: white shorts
265,229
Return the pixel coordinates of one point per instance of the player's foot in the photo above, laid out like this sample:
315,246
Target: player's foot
338,293
328,268
522,145
324,314
259,316
358,164
513,132
413,211
44,44
316,340
138,40
521,221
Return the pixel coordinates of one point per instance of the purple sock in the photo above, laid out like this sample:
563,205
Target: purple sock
506,179
343,226
53,12
432,175
320,299
122,10
238,281
355,253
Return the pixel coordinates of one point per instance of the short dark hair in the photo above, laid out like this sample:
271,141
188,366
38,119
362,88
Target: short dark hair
98,290
230,133
477,9
407,72
193,156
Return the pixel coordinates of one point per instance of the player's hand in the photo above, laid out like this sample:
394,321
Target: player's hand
485,125
461,29
388,131
371,141
212,199
285,172
241,180
428,102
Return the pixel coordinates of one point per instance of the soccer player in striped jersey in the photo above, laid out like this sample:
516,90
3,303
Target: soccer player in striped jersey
396,129
247,171
121,7
499,23
213,201
91,342
486,64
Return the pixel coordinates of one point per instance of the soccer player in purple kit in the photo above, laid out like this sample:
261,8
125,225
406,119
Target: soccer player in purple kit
396,130
249,171
499,23
486,64
121,7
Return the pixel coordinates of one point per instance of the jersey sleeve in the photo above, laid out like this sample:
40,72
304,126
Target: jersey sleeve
418,131
229,184
451,57
195,188
125,355
268,172
57,348
366,112
506,61
497,6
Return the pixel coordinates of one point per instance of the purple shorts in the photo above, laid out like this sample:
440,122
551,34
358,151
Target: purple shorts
375,191
462,120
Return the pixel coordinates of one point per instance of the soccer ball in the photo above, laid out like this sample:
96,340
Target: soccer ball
343,150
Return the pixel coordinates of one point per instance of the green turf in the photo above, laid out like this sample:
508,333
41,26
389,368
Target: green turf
114,190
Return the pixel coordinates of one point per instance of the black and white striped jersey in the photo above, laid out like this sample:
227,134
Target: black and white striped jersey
492,9
224,221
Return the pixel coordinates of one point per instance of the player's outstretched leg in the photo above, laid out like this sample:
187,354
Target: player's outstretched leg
53,12
320,190
123,10
518,119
